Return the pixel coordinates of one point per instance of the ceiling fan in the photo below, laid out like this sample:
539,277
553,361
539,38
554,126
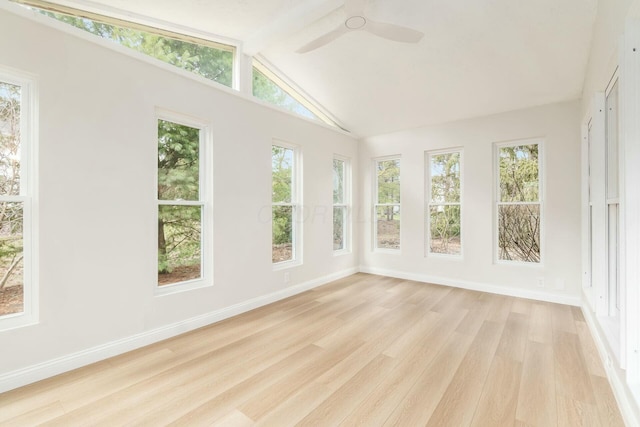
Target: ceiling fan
357,21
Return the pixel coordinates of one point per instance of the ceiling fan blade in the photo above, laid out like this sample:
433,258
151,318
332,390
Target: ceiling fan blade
322,40
354,7
393,32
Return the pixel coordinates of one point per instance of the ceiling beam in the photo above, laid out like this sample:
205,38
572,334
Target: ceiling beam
302,15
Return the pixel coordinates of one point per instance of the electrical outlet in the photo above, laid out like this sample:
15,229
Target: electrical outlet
540,283
287,277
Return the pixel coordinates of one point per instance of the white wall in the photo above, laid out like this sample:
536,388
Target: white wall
97,244
559,126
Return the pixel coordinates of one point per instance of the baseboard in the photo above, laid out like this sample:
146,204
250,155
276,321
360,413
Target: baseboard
476,286
40,371
622,392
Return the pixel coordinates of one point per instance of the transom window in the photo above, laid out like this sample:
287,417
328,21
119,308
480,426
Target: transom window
444,196
519,203
386,207
206,58
271,88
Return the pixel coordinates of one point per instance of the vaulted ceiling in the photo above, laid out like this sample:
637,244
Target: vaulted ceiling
477,57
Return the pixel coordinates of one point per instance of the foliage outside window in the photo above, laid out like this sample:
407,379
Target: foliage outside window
340,204
387,204
213,61
284,205
14,200
444,202
519,203
270,88
180,203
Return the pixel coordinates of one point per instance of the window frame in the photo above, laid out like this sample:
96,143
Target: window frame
295,203
28,191
205,201
376,204
346,205
497,203
269,71
429,203
147,25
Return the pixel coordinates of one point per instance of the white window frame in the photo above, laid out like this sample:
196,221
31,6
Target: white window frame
497,203
205,201
376,205
296,207
28,190
346,205
429,203
271,73
614,302
145,24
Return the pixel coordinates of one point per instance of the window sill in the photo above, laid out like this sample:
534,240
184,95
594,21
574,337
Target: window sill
342,252
449,257
181,287
18,320
286,264
387,251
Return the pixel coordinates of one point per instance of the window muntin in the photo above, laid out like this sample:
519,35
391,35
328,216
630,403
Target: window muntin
341,204
269,87
17,299
444,196
386,209
181,206
284,204
519,205
206,58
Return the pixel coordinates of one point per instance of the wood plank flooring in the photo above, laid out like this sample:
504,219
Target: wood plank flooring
364,350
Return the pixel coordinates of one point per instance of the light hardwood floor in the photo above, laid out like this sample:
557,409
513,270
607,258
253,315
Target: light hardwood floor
365,350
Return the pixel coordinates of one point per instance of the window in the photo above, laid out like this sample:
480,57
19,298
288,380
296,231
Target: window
612,195
519,205
341,200
181,202
17,299
269,87
285,203
387,204
444,196
206,58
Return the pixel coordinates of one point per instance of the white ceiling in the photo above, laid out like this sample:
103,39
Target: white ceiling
477,57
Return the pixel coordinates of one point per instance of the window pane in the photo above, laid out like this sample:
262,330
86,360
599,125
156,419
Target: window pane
339,220
388,227
519,173
519,232
9,139
206,61
445,178
11,258
179,243
178,162
388,181
612,142
338,181
445,229
267,90
282,229
281,174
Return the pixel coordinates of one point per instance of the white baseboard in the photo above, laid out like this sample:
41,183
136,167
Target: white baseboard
40,371
623,394
476,286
